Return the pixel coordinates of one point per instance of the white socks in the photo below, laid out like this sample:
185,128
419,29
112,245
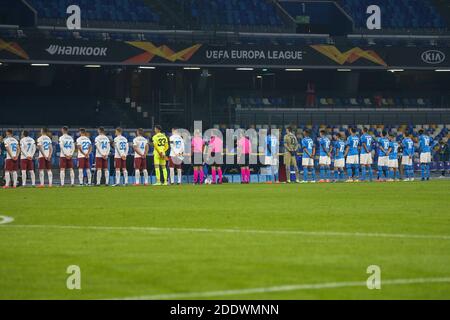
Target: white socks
62,177
137,177
99,177
50,178
41,177
125,177
33,178
72,176
106,177
89,176
145,176
172,175
24,178
7,178
117,176
179,176
80,176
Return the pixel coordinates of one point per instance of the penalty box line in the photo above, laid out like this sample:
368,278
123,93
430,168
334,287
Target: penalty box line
284,288
235,231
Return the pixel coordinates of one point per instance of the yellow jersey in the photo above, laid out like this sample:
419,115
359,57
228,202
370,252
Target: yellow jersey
160,143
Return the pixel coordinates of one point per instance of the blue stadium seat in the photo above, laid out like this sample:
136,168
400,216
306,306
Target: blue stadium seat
398,14
112,11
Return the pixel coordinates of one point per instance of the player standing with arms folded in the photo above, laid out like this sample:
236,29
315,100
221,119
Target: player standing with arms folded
290,155
67,148
12,159
366,160
352,155
102,149
309,151
27,151
160,147
84,146
407,158
140,147
176,156
324,157
121,149
45,147
425,143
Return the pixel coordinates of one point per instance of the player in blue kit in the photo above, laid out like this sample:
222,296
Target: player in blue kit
309,151
366,155
324,157
352,155
383,158
407,158
425,143
339,158
393,158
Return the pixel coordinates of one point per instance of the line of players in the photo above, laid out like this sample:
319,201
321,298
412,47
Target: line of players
23,152
355,154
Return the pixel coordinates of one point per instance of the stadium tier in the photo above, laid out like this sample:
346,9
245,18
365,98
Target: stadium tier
399,14
119,13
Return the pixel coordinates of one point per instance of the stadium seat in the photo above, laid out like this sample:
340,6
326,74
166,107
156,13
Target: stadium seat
399,14
122,12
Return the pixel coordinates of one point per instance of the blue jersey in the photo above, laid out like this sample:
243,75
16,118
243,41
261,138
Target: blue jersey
353,143
383,143
425,143
308,144
339,149
366,139
394,150
272,145
408,147
325,145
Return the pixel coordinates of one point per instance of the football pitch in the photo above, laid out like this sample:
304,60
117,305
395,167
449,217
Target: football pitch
227,241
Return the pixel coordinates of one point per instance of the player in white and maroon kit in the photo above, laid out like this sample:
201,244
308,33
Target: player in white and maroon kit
12,158
140,147
84,147
44,145
121,149
67,148
102,149
176,155
27,151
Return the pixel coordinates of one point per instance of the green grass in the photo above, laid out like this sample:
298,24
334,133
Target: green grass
117,263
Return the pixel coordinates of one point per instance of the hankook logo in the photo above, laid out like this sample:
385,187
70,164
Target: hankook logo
55,49
433,57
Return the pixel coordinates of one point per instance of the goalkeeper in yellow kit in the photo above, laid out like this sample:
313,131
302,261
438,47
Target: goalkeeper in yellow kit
160,145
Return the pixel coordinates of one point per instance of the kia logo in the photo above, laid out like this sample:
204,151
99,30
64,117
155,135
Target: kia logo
433,57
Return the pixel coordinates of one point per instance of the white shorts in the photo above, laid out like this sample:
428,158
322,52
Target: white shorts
366,159
425,157
339,163
307,162
353,159
324,160
407,161
393,163
383,161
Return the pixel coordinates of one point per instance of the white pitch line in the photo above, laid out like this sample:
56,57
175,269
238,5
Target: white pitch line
285,288
6,219
237,231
